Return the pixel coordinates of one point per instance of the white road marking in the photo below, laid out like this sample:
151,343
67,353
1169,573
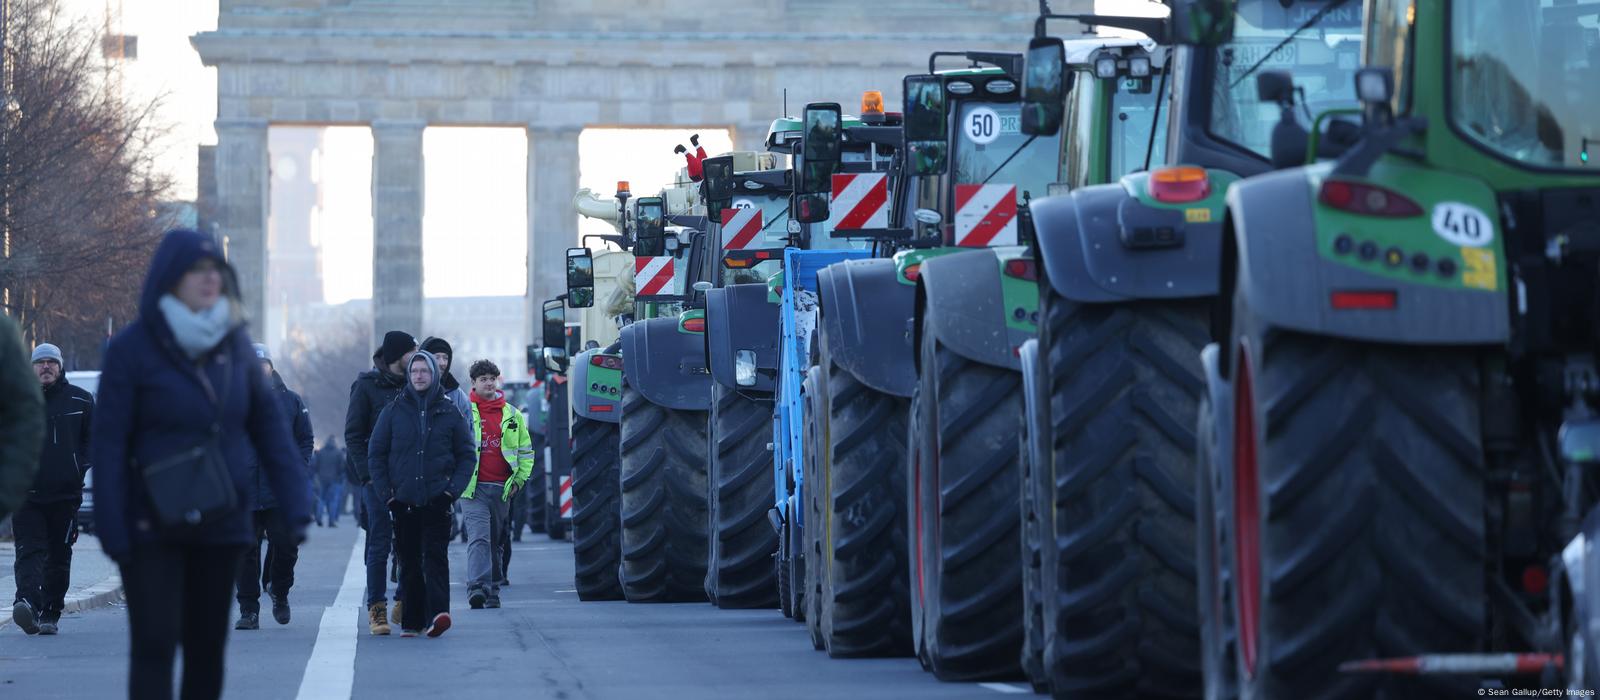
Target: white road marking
331,670
1006,688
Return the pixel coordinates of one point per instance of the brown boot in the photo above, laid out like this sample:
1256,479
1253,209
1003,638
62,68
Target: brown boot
378,619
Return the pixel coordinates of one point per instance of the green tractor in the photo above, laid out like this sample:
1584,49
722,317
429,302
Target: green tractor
638,518
1398,444
1127,282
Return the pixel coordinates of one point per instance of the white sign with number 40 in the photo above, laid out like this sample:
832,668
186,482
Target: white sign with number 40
1463,224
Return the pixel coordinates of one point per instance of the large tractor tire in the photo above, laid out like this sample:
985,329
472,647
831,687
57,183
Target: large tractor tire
1357,518
966,531
815,574
1124,382
1035,520
663,502
739,569
868,604
596,514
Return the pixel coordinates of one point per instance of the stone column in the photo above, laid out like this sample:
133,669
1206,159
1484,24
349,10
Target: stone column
241,209
552,222
397,178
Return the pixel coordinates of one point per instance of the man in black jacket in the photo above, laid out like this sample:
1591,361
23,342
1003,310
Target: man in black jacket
421,458
46,525
330,482
372,392
283,552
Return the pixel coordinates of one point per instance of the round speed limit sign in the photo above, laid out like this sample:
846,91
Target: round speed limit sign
743,204
982,126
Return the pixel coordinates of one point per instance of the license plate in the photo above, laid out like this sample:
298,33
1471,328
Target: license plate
1247,55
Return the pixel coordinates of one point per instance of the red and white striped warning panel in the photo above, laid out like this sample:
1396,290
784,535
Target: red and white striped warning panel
986,215
653,275
566,496
741,229
860,200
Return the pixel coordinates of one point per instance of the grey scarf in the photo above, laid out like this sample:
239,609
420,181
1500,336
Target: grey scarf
197,332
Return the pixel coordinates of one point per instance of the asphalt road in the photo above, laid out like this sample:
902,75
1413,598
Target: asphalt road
543,644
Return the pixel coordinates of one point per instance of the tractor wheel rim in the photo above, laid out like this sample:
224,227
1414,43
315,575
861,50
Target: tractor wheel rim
1246,515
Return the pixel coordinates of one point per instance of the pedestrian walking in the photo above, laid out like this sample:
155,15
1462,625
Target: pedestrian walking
21,419
372,392
330,474
46,526
421,458
183,412
505,461
283,552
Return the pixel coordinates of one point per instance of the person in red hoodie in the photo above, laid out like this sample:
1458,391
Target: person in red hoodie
505,461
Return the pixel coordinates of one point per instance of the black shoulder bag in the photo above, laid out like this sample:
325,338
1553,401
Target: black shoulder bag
194,485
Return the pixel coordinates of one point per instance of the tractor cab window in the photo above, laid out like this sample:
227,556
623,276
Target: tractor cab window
1523,77
1133,116
755,274
989,146
1318,41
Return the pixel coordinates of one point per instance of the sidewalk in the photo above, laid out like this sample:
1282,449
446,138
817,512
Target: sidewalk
94,578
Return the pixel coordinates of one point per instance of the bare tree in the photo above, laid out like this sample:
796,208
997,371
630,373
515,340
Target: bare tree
81,194
322,368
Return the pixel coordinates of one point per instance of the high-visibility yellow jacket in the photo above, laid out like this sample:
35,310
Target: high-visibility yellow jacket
516,445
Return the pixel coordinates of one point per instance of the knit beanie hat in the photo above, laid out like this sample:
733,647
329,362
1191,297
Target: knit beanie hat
395,346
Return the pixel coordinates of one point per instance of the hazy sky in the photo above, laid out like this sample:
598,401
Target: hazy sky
474,227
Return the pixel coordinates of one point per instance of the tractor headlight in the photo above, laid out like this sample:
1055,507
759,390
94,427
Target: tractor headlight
1139,66
1105,67
744,368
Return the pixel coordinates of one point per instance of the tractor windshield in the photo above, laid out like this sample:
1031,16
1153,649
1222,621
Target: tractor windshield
1317,41
991,148
1523,79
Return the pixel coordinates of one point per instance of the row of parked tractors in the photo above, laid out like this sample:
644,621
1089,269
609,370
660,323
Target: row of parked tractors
1255,358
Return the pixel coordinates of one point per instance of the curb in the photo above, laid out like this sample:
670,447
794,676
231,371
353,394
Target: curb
99,595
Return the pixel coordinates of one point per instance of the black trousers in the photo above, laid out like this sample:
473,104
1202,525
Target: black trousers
422,536
278,574
45,533
178,596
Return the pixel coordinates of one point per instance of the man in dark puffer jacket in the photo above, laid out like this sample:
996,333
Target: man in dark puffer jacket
282,550
420,458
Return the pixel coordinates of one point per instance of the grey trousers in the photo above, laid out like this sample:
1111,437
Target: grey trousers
484,518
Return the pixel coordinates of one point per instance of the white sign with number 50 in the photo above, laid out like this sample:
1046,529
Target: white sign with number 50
982,126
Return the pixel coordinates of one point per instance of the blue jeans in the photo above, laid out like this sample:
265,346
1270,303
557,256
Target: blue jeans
380,542
329,500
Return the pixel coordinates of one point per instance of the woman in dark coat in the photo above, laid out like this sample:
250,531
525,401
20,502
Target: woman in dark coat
183,369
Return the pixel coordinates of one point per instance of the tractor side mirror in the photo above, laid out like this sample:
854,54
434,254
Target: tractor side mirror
580,278
1374,85
1045,82
1275,86
650,226
719,182
810,207
819,147
555,359
926,125
1202,22
554,329
820,132
925,109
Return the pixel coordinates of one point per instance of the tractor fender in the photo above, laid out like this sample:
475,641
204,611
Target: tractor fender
959,302
740,317
1286,282
866,322
1088,242
584,401
666,365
